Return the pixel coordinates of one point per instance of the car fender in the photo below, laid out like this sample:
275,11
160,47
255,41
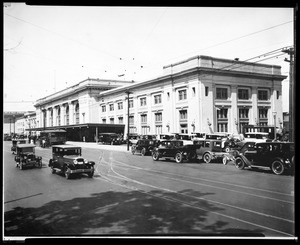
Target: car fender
245,159
286,163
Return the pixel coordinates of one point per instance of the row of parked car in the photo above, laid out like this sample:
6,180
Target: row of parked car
243,152
66,159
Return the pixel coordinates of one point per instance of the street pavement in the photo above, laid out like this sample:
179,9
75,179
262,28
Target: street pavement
133,195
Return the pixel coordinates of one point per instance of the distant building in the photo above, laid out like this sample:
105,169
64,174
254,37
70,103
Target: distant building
75,109
9,121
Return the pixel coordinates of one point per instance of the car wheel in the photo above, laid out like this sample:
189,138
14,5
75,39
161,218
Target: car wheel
155,156
179,157
225,160
207,157
143,152
239,163
277,167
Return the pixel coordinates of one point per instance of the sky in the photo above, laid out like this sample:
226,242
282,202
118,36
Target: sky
49,48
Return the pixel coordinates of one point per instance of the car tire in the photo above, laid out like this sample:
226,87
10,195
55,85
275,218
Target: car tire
155,156
143,152
227,149
277,167
53,171
179,157
207,157
239,163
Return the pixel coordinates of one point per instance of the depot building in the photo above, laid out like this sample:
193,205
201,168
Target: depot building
199,94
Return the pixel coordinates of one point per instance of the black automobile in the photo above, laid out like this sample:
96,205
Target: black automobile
110,138
174,149
66,159
144,146
277,156
25,156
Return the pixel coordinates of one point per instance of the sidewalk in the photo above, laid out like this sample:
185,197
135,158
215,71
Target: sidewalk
94,145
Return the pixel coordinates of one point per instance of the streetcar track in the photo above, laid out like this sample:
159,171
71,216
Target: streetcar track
208,180
122,177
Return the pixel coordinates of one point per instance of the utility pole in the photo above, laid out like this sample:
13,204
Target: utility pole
292,104
128,93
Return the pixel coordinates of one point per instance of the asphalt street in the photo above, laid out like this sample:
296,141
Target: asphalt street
134,195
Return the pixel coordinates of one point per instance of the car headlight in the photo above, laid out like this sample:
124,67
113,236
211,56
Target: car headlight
75,161
86,161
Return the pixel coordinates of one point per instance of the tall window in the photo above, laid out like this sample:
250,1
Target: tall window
144,118
104,120
111,120
77,113
183,115
58,116
222,120
51,118
111,107
243,118
243,94
67,115
182,94
158,129
263,116
157,99
131,119
158,117
120,120
103,108
143,101
145,130
221,93
130,103
120,105
262,95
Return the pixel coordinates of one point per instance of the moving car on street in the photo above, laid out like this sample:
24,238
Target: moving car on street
144,146
277,156
67,159
174,149
25,156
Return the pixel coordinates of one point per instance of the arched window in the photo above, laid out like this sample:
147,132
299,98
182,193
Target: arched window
77,113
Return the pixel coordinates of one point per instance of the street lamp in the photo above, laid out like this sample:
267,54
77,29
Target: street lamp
274,115
128,93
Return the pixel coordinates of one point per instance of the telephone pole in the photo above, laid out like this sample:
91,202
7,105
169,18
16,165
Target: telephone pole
292,103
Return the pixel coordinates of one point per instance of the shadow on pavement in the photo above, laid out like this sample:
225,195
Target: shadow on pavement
131,213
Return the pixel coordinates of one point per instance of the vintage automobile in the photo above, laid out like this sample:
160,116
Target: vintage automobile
25,156
66,159
110,138
144,146
277,156
233,143
175,149
209,149
15,142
